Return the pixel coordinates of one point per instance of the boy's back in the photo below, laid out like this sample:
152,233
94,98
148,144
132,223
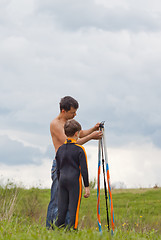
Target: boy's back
72,161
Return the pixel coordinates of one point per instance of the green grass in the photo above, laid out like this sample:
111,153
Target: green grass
137,215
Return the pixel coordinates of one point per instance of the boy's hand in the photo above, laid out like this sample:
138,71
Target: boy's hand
87,192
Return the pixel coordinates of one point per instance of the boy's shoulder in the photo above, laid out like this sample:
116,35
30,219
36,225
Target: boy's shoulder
80,146
61,147
75,145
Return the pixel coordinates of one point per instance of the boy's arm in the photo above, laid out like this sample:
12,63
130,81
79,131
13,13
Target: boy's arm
84,171
84,167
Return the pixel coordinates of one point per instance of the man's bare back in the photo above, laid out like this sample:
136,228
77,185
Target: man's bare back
57,132
57,127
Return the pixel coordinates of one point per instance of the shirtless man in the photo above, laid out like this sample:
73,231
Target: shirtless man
68,108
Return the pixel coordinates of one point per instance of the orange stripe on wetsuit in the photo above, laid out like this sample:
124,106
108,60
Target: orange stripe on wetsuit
79,201
80,189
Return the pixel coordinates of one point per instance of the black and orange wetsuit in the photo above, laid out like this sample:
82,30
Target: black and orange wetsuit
71,168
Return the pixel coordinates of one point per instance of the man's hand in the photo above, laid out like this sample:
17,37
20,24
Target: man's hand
96,127
87,192
96,135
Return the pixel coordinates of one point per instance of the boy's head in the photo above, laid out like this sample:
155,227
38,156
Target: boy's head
71,127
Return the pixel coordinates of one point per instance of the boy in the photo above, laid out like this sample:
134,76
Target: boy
72,166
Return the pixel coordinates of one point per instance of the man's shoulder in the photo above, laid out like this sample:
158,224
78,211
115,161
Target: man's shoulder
54,121
55,124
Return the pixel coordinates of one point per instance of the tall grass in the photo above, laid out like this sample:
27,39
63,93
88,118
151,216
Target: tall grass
8,197
137,215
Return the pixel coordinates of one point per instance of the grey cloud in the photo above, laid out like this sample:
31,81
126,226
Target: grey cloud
50,152
72,15
4,111
128,113
13,152
156,136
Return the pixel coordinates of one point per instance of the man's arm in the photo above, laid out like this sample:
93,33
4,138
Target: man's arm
93,136
84,133
90,134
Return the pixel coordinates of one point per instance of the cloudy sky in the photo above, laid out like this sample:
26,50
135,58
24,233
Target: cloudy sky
107,55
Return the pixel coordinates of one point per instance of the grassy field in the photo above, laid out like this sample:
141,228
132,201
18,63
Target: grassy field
137,215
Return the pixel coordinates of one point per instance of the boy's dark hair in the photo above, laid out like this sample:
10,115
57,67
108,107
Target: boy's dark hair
71,127
67,102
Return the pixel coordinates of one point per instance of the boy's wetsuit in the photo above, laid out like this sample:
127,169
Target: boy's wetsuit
71,167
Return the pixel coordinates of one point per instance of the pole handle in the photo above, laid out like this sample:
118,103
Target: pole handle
101,125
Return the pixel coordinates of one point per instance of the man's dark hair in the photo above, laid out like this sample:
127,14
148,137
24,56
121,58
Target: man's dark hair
71,127
67,102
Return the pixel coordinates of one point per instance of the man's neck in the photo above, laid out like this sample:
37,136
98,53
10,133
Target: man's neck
61,117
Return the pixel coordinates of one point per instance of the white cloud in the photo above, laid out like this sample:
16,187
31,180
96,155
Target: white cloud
17,10
133,165
27,175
